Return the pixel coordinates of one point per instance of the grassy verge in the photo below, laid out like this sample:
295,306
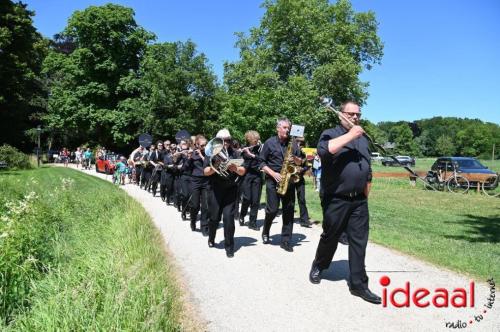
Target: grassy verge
460,232
82,255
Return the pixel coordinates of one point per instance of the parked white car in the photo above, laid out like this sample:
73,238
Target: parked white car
376,156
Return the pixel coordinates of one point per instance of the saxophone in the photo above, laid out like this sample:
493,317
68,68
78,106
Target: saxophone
289,172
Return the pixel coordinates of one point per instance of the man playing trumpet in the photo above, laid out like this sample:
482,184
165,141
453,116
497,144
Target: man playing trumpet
345,185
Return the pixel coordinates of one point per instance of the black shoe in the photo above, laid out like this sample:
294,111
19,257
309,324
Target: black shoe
204,231
286,246
366,295
193,226
253,225
230,252
211,243
183,216
265,238
315,274
242,221
306,224
154,193
163,198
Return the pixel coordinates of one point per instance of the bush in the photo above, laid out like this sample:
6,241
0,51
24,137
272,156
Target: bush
14,158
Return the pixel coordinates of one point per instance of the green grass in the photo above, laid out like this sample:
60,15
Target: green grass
99,264
459,232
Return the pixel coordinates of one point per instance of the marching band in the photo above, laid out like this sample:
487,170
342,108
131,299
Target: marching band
212,177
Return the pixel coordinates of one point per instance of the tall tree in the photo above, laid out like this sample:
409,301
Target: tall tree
301,49
403,137
445,146
90,80
22,93
179,90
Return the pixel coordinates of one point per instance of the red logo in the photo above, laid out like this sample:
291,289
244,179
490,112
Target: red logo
423,297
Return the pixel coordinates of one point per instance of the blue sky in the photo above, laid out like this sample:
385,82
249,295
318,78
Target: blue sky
441,58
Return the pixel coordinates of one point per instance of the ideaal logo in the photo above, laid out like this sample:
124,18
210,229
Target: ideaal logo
439,298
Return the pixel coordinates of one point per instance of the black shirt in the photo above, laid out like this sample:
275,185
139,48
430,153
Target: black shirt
219,181
137,156
168,162
196,163
252,163
178,161
273,152
154,156
346,171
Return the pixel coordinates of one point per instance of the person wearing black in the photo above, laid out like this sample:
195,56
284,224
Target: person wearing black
167,176
300,188
235,145
272,156
223,195
136,157
184,179
199,186
178,160
156,160
148,169
345,185
251,185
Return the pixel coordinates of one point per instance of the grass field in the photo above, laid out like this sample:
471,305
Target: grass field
460,232
78,254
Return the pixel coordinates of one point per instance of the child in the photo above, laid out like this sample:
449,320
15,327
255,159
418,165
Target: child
87,157
121,167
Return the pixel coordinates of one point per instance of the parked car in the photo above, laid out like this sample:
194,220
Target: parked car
375,156
403,160
462,164
107,164
53,156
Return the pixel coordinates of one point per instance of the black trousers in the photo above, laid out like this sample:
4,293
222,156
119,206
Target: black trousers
138,171
300,188
272,205
155,178
351,216
251,189
199,198
177,189
239,195
222,203
185,190
146,176
167,186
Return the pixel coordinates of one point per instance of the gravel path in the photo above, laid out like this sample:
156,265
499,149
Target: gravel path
264,288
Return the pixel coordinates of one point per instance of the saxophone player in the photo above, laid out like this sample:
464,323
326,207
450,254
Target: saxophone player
273,155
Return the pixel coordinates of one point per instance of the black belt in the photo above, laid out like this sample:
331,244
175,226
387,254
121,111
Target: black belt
350,196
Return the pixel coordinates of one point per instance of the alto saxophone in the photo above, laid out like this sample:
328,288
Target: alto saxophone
289,172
